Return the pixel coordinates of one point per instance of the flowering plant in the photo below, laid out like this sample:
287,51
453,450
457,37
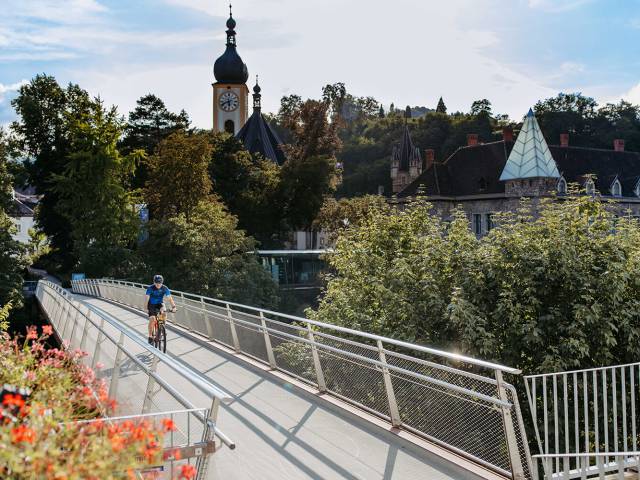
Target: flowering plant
51,410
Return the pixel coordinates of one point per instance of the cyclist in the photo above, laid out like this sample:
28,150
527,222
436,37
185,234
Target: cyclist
155,302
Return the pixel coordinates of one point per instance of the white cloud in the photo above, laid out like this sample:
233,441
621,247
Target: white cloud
556,5
632,95
13,87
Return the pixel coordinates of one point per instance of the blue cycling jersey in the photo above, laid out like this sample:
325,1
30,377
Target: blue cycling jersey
156,295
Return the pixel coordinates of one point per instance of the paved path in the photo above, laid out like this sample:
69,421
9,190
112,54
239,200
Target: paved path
281,431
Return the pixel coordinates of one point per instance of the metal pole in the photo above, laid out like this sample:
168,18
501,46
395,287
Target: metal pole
234,334
207,324
96,352
510,434
148,396
394,412
322,385
267,342
115,375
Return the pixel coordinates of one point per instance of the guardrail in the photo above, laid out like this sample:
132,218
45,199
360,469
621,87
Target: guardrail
181,444
586,420
79,323
458,402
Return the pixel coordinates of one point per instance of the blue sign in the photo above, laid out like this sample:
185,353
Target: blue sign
77,276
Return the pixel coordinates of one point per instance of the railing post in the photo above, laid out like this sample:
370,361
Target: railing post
512,443
267,341
322,385
96,352
83,340
207,324
115,375
149,394
232,325
75,323
394,412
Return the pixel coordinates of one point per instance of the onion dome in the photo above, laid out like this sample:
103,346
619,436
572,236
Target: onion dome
229,67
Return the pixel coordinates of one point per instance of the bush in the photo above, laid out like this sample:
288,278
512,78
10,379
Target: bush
39,430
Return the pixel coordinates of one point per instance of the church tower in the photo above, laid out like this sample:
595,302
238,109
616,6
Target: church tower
230,92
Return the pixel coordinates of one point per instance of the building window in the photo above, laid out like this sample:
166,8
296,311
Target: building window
590,187
477,224
637,189
229,127
489,221
482,184
18,227
562,186
616,188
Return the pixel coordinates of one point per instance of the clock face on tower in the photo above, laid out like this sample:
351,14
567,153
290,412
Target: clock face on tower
228,101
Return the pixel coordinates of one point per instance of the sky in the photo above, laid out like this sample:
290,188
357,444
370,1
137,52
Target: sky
410,52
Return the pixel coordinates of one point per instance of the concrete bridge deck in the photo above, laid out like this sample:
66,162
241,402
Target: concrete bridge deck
282,429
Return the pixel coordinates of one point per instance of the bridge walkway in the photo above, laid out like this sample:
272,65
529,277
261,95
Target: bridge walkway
281,430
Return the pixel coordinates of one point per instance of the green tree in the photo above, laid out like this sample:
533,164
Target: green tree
43,138
481,107
553,287
336,216
207,254
149,123
441,108
248,186
93,194
12,259
179,176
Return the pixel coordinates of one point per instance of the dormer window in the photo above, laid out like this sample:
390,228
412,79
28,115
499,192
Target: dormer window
482,184
562,186
616,188
636,189
590,187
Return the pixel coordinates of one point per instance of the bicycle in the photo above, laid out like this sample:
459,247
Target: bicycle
160,334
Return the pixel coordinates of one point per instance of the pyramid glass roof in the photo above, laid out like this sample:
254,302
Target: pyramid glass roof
530,157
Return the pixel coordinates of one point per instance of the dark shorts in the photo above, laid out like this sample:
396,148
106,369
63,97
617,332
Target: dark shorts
154,308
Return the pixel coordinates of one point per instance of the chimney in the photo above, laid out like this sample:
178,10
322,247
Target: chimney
564,140
507,134
472,139
429,157
618,145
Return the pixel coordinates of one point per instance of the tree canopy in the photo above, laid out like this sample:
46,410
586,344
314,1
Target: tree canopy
544,292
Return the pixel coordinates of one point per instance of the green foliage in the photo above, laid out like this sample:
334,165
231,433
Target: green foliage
336,216
248,187
4,316
178,177
12,258
441,108
42,136
553,287
207,254
93,194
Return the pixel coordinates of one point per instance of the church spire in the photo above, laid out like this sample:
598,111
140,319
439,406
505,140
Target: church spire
231,33
257,97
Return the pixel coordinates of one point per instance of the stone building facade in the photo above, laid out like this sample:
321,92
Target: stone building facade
486,178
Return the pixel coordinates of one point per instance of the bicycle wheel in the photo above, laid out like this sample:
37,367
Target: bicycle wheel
162,338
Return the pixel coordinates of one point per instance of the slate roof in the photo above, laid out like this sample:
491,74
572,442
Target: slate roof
470,168
20,209
530,156
405,152
258,137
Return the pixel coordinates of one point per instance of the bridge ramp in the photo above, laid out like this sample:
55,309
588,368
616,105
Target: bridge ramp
281,431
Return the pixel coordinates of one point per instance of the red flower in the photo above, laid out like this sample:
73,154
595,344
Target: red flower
22,433
47,330
117,443
13,400
32,333
187,472
168,425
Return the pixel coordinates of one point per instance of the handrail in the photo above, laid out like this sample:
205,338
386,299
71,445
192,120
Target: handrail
206,387
365,370
371,336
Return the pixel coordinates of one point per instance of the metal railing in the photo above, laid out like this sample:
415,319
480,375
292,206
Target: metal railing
181,445
460,403
586,420
133,362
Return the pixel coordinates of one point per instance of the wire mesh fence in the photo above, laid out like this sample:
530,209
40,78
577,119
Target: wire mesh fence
458,402
129,366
